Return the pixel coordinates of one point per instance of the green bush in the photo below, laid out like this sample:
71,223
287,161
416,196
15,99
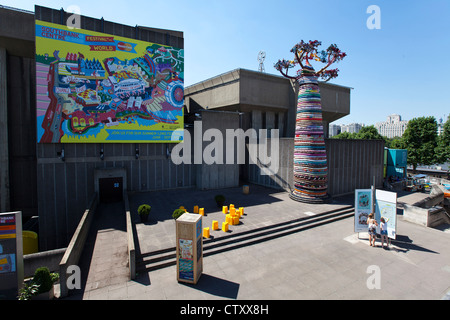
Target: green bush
178,213
43,278
144,209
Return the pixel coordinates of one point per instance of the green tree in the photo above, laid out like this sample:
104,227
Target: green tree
395,143
420,139
344,135
443,144
368,133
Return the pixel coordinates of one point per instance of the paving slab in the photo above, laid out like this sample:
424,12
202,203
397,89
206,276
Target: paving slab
326,262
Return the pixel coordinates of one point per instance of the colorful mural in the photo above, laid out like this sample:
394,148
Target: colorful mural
98,88
310,156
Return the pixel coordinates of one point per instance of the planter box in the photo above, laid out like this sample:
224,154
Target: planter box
46,295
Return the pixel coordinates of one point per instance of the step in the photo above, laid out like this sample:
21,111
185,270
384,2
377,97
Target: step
167,257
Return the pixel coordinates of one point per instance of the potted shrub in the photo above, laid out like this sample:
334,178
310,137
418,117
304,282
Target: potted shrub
178,213
144,211
41,287
28,291
220,200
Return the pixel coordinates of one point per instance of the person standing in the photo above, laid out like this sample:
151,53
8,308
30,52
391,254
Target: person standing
372,229
383,231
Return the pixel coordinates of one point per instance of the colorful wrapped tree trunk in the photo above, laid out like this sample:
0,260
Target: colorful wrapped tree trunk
310,156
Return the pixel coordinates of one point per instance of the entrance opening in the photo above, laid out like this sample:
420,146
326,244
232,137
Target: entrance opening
111,189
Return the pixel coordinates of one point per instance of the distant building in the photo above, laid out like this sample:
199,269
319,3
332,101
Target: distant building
352,127
394,126
440,129
334,130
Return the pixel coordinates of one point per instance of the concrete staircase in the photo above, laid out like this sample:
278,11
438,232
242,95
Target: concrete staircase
167,257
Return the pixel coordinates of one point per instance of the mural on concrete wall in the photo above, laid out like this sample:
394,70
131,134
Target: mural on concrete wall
310,157
98,88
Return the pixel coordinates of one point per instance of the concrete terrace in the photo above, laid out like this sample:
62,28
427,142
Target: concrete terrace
328,261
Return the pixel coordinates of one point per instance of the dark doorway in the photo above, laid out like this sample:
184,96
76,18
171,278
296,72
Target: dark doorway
111,189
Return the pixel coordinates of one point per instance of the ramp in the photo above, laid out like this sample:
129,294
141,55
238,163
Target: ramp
104,261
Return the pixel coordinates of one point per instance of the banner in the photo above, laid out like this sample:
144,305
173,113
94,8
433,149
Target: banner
386,207
97,88
363,207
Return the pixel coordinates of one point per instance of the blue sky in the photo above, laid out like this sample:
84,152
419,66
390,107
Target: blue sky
401,68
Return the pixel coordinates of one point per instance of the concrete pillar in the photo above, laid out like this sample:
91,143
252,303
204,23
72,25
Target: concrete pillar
281,124
257,120
4,152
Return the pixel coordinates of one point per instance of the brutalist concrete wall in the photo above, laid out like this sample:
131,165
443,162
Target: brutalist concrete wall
18,190
218,174
44,183
352,164
66,187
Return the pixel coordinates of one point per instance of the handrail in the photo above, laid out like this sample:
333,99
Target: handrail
130,238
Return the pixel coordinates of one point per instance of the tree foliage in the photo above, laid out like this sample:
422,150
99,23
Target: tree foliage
366,133
420,139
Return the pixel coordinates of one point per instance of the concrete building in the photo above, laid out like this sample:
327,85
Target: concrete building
334,130
352,127
394,126
57,182
265,101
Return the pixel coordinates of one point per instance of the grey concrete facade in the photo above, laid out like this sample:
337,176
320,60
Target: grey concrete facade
56,181
267,101
219,174
4,152
352,164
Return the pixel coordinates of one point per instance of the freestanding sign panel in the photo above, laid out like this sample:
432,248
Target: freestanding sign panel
386,206
93,87
189,248
11,255
363,207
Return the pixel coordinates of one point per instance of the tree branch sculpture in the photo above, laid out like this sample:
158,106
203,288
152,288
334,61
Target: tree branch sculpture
310,158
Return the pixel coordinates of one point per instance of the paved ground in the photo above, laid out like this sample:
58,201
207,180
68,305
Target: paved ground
327,262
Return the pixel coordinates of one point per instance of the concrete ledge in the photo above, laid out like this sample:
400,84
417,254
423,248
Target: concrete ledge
130,238
76,245
428,217
49,259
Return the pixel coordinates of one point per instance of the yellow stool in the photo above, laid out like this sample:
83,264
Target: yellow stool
215,225
202,211
195,209
232,211
229,219
225,226
235,220
225,209
206,233
242,210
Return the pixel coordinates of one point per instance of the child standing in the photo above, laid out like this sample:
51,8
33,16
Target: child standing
383,228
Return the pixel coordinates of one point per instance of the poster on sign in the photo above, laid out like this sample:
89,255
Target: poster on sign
386,207
363,207
11,255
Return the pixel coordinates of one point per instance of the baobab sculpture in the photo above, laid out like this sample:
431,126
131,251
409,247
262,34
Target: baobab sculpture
310,156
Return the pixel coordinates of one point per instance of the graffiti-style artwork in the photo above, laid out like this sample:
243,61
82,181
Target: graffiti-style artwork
310,156
98,88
